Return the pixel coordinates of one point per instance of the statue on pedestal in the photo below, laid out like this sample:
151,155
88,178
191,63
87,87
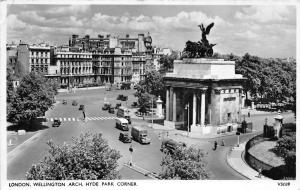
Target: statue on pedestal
201,48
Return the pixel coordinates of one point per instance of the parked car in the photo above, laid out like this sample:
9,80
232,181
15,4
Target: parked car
125,86
111,110
106,106
74,103
56,123
64,102
124,98
124,137
118,105
134,104
81,107
171,145
120,97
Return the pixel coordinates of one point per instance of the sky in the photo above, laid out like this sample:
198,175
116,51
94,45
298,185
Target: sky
265,31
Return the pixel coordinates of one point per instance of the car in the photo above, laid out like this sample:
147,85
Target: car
120,97
64,102
106,106
134,104
170,145
111,110
118,105
56,123
74,103
124,137
81,107
124,98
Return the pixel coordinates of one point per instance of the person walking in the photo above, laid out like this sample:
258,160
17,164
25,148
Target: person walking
215,145
223,142
259,172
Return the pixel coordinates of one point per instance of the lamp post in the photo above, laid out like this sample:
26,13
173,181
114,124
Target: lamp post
188,119
152,111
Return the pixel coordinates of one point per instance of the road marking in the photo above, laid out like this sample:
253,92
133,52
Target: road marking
93,118
60,119
55,118
73,119
69,119
87,118
78,119
65,119
51,119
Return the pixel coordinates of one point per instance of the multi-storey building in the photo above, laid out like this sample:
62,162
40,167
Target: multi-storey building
105,52
140,44
112,65
39,58
138,67
87,60
72,68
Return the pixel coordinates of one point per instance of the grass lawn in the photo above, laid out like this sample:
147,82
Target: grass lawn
263,151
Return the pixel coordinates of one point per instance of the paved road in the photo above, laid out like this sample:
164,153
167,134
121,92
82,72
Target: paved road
146,156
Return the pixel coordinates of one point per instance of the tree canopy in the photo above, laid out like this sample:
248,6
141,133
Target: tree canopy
184,164
267,80
88,158
32,98
152,85
166,62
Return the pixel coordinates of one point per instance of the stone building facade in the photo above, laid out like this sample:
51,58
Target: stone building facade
72,68
204,95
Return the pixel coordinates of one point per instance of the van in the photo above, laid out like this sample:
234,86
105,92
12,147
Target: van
140,135
122,124
171,145
124,112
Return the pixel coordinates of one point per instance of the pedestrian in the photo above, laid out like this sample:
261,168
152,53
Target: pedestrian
215,145
223,142
259,172
83,115
248,113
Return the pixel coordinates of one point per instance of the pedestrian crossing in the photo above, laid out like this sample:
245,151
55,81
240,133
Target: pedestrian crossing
73,119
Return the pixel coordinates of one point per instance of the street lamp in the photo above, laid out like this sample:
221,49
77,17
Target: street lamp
152,110
188,119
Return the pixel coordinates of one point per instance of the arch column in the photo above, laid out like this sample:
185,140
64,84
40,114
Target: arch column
202,121
194,109
167,104
174,105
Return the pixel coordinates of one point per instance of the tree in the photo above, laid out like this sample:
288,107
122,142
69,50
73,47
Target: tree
286,148
166,62
88,158
33,98
144,102
185,164
153,84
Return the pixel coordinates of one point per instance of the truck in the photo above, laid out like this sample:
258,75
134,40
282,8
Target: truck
124,112
140,134
122,123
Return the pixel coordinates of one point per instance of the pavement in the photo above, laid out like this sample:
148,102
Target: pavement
236,161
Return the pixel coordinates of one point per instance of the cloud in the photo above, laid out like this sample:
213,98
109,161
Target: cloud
238,32
13,23
265,13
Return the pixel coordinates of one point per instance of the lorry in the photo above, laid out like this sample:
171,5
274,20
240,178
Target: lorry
124,112
122,124
140,134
